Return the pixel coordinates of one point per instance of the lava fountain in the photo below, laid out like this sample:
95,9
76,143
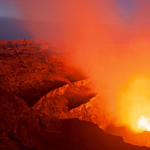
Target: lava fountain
134,104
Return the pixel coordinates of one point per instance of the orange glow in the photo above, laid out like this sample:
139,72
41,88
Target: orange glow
135,103
108,48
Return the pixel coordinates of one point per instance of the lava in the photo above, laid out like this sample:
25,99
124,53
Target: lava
144,122
134,104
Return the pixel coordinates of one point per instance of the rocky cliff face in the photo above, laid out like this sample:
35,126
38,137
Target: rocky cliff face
40,94
66,97
29,70
92,111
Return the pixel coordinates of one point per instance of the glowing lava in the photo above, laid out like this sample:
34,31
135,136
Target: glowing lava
134,104
144,122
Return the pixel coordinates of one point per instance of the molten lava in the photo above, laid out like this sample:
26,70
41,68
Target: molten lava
144,122
134,104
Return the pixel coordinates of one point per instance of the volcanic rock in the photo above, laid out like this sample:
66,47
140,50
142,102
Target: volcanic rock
20,126
59,101
38,91
30,69
92,111
88,136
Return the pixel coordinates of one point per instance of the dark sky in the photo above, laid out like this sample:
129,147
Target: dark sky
49,10
56,19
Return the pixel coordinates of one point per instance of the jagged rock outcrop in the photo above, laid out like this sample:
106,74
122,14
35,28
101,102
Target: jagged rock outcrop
25,129
22,128
59,101
92,111
30,71
39,91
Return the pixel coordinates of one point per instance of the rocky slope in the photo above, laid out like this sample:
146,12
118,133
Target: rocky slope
40,94
70,95
23,128
92,111
30,69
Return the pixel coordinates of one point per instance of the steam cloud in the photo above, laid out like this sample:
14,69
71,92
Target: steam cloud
108,49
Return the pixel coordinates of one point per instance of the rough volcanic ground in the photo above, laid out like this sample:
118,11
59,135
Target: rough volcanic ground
41,94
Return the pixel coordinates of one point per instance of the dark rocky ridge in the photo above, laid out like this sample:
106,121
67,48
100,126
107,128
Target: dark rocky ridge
23,129
27,71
